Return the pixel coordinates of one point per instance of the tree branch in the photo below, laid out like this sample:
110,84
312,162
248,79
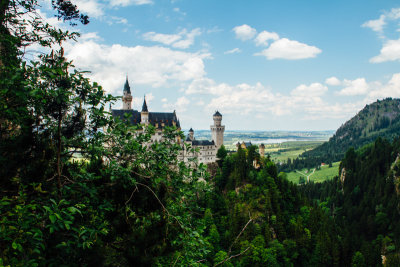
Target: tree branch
230,248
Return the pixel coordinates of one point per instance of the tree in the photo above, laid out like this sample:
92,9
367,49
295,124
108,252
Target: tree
125,202
358,260
221,155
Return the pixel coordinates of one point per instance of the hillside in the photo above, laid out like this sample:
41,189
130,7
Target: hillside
364,202
379,119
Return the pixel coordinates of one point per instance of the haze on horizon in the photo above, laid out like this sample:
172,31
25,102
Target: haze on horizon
265,65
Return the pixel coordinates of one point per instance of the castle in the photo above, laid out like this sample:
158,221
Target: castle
205,150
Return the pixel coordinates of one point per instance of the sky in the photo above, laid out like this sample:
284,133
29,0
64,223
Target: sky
265,65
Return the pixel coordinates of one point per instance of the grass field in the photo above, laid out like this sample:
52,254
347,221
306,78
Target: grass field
325,173
281,152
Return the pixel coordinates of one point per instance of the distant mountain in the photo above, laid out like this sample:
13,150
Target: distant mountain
379,119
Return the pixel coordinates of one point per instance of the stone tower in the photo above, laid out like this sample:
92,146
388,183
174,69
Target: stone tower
217,130
144,114
191,134
127,97
261,149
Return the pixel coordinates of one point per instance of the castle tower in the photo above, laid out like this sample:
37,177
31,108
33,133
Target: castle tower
217,130
127,97
191,134
144,114
261,149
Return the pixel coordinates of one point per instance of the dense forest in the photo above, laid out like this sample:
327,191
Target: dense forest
364,202
379,119
79,188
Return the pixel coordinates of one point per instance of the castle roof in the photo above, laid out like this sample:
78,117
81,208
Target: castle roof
203,143
218,114
159,118
247,144
144,107
127,88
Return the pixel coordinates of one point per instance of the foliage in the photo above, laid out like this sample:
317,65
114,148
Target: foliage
364,201
129,202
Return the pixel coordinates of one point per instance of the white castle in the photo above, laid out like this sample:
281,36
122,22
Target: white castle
206,151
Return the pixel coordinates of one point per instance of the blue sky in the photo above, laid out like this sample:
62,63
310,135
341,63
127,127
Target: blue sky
265,65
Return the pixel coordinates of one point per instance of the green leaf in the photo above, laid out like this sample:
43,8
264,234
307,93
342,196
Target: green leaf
14,245
52,218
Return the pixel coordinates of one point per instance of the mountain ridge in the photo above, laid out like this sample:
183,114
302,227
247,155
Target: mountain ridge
378,119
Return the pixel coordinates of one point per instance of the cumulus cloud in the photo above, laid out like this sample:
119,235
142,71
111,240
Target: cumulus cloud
166,39
205,85
264,36
233,51
288,49
245,98
130,2
180,105
391,89
244,32
155,66
354,87
314,89
389,52
183,39
376,25
333,81
91,7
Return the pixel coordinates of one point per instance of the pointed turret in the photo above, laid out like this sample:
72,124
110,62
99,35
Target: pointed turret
127,88
144,114
127,97
144,107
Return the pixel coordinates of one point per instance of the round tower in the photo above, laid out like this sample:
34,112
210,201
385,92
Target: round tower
261,149
127,97
217,130
191,134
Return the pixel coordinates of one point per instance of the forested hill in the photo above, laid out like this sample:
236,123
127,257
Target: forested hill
364,202
379,119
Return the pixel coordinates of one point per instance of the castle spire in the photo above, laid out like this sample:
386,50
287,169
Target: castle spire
144,107
127,97
127,88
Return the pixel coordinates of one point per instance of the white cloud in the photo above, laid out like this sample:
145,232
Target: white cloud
130,2
305,100
166,39
180,105
155,66
314,89
244,32
118,20
208,86
91,7
291,50
354,87
389,52
264,36
394,13
233,51
187,38
245,98
90,36
183,39
333,81
391,89
376,25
